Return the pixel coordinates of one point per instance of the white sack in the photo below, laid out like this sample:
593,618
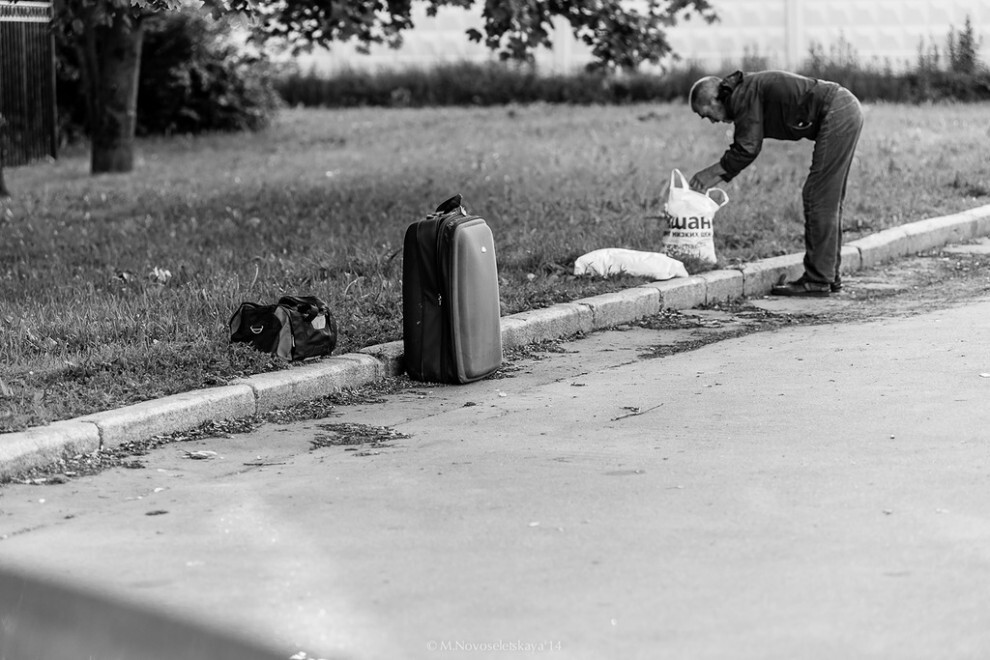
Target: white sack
690,231
620,261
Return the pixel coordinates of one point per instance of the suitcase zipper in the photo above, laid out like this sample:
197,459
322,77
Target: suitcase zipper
444,236
443,239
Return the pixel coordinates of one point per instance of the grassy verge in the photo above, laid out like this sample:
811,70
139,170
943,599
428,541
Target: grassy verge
117,289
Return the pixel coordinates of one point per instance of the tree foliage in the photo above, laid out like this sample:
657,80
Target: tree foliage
964,49
620,34
108,36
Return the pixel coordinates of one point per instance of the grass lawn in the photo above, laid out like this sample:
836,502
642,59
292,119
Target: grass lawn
118,288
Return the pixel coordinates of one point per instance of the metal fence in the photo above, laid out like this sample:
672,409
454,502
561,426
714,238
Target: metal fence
27,82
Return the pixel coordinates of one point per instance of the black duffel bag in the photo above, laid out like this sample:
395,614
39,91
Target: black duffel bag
296,328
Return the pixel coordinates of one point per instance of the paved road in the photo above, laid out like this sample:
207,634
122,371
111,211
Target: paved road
815,491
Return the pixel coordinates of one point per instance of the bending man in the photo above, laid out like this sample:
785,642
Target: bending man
786,106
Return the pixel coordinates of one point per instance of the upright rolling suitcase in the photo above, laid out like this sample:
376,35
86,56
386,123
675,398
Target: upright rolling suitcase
450,301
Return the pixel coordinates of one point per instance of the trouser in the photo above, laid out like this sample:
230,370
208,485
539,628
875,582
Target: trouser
825,189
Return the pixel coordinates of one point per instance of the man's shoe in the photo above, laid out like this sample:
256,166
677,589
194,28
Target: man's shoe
802,287
835,286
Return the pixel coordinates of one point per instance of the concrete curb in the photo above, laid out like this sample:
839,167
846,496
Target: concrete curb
171,413
258,394
41,445
280,389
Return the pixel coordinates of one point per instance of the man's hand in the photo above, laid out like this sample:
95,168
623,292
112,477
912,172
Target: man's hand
707,178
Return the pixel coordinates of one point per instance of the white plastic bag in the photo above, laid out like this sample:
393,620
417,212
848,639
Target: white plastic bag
690,232
620,261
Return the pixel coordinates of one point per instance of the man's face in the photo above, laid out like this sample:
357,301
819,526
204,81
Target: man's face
713,112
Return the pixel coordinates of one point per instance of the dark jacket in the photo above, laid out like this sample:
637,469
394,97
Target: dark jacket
770,104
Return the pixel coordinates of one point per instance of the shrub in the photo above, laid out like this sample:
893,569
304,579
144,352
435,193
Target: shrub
964,55
965,79
194,78
70,95
470,83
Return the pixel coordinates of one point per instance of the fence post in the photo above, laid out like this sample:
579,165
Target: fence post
3,157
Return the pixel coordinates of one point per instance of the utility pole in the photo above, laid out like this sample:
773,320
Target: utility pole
793,33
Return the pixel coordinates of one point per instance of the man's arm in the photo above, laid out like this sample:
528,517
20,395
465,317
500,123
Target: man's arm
747,137
709,177
746,146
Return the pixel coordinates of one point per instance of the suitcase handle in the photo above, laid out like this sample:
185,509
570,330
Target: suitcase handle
451,205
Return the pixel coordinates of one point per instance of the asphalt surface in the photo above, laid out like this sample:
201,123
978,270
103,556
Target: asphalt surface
779,479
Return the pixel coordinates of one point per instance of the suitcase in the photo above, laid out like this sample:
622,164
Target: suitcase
450,298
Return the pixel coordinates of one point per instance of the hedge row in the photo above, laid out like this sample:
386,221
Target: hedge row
469,83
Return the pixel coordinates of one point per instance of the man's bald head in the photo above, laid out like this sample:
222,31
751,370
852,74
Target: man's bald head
704,91
704,99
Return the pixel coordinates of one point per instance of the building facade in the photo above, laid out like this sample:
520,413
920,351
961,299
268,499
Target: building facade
782,32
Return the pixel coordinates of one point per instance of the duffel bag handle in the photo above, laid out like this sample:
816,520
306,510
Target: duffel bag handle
309,306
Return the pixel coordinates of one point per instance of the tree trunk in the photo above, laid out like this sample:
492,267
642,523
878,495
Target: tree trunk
112,59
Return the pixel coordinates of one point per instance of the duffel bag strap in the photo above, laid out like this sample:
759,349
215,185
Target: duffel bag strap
309,306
